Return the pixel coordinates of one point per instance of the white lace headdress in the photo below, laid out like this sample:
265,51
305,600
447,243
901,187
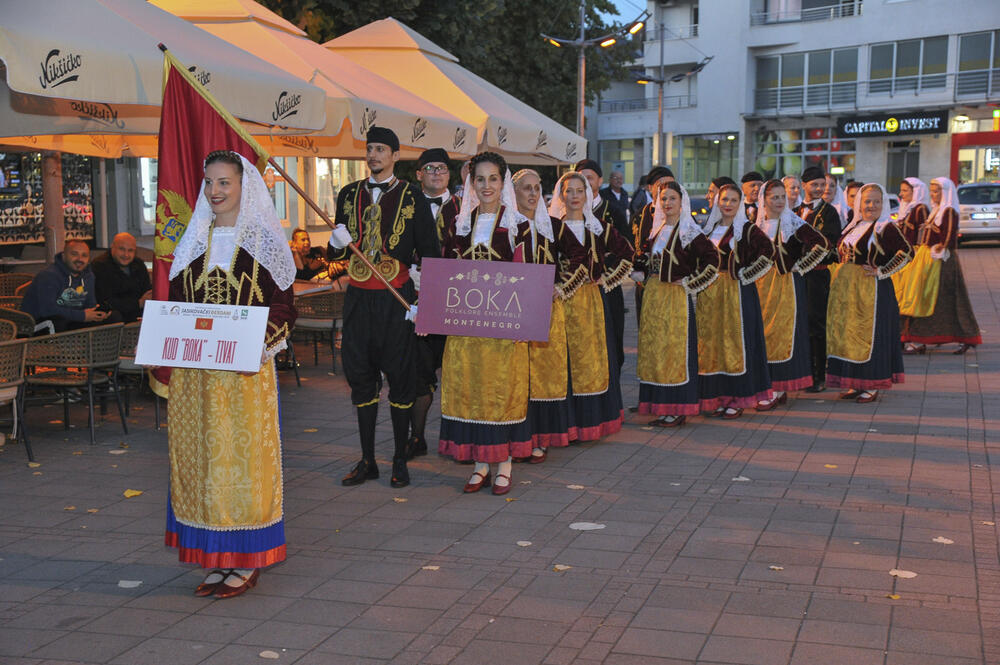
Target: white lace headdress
858,225
557,208
949,199
689,229
839,204
788,221
921,195
739,221
470,201
258,230
541,222
798,200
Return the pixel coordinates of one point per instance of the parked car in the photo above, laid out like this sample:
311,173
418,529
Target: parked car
700,210
980,211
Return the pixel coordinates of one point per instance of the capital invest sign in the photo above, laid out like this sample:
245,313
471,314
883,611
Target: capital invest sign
888,124
485,299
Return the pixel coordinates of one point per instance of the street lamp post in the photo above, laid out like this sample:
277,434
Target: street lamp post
581,42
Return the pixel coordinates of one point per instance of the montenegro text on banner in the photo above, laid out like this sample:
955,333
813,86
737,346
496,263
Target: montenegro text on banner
192,124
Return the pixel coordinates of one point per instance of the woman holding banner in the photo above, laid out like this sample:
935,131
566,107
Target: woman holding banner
225,507
484,387
942,311
677,262
596,258
864,356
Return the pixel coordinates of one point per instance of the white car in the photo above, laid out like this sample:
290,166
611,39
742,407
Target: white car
980,217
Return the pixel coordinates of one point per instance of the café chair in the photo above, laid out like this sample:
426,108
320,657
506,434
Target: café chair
8,330
79,359
23,322
11,302
10,282
12,354
318,314
19,290
128,368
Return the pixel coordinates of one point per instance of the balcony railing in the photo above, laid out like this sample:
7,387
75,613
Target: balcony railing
668,32
981,85
646,103
826,13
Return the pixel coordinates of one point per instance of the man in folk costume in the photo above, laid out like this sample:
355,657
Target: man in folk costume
611,216
824,218
433,175
390,221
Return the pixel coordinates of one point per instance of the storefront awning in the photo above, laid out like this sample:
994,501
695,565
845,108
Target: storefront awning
94,66
503,122
361,96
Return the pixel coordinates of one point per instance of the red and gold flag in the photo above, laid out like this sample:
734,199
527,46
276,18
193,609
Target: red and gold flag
192,124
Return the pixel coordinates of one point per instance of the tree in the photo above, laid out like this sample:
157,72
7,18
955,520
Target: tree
496,39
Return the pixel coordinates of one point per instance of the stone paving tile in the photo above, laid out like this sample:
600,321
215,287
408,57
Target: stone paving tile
680,573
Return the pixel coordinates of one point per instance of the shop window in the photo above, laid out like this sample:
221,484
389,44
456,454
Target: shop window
911,65
787,152
978,64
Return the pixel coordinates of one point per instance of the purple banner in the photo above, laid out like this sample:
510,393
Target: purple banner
486,299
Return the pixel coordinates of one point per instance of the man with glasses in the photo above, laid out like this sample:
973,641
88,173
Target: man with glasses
433,175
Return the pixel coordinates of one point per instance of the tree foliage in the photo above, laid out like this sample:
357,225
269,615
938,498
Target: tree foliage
496,39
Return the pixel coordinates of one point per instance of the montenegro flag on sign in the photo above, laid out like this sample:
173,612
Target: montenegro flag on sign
192,124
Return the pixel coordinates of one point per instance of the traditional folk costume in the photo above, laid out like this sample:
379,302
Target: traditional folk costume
732,353
679,261
614,300
865,354
550,399
950,318
912,216
799,248
595,261
484,391
391,223
225,503
824,218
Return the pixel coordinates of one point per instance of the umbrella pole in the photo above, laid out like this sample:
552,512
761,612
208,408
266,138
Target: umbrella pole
326,218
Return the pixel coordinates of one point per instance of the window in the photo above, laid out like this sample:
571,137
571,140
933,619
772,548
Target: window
818,78
913,65
785,152
978,64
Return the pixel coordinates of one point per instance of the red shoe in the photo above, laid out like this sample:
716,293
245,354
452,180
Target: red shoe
663,422
538,459
471,487
226,591
867,397
500,490
732,413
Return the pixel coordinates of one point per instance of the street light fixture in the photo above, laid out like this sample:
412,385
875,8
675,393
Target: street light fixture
581,42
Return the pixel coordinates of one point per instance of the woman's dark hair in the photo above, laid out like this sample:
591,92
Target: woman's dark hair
674,185
225,157
771,184
490,157
730,185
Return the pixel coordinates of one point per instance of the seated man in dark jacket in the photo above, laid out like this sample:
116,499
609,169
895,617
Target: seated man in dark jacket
63,292
122,280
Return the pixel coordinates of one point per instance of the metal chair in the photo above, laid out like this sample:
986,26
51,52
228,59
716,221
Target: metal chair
11,302
8,330
20,289
127,367
12,355
78,359
318,316
11,281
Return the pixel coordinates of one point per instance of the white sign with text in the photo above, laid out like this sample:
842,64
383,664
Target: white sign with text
183,334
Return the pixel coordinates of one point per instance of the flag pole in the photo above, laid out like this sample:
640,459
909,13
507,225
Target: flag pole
326,218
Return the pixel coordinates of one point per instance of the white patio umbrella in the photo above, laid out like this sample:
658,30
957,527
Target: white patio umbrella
503,122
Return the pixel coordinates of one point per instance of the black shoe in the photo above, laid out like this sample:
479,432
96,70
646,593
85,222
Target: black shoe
400,475
416,447
816,387
362,471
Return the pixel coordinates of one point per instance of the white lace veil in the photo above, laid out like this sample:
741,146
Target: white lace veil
541,223
788,222
921,195
949,199
839,204
689,229
858,225
798,201
557,208
258,230
470,201
739,221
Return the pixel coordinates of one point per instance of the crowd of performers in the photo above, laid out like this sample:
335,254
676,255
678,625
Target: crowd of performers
733,313
788,285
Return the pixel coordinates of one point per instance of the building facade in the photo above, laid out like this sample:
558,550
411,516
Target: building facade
872,90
